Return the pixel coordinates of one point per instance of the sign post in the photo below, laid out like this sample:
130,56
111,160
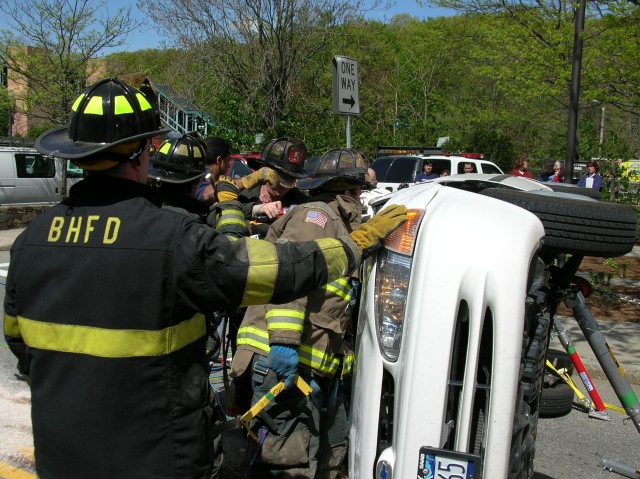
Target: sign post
346,100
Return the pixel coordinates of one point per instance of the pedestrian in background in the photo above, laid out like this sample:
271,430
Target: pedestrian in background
558,175
591,179
104,299
521,168
548,171
426,173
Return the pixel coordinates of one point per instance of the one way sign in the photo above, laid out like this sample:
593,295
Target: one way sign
345,86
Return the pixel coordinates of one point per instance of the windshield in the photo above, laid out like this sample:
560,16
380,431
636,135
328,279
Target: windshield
398,169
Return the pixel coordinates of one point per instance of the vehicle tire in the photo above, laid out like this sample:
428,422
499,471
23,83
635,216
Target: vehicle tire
560,359
575,190
556,400
585,228
525,424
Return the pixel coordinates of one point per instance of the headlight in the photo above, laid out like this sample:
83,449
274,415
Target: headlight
392,284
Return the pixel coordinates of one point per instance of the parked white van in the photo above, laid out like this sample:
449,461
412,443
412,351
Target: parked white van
28,177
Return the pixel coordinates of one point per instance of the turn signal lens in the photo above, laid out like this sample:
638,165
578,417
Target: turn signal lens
392,284
403,239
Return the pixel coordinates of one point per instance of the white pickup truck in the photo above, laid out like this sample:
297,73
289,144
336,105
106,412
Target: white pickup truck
454,323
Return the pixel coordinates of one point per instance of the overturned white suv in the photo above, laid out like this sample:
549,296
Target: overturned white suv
454,325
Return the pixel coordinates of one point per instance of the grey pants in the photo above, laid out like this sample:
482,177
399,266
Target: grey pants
308,435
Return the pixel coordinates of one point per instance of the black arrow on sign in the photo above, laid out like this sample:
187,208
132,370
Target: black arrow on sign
349,101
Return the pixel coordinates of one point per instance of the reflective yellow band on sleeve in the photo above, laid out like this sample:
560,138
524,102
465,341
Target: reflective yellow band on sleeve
111,343
340,288
327,364
347,364
262,272
231,218
230,212
230,221
255,337
334,256
11,326
285,319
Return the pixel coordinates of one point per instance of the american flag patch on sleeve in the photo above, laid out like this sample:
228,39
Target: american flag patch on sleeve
317,218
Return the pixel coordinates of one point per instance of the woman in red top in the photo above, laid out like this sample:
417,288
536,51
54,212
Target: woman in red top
521,168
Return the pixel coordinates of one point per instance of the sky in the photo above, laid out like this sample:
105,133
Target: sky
148,38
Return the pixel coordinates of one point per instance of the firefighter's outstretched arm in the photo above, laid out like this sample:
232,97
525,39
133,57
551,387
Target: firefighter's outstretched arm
253,271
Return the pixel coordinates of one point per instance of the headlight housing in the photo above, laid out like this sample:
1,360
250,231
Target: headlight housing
392,284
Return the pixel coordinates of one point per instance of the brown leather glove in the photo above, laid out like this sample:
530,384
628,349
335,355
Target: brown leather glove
370,235
225,190
260,177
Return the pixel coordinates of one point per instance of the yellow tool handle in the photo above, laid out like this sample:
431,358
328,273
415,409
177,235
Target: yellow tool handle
246,418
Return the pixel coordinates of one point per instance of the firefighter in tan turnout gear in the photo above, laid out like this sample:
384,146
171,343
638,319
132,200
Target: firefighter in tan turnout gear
306,336
104,301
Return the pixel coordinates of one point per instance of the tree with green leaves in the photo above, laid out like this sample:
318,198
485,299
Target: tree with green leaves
48,47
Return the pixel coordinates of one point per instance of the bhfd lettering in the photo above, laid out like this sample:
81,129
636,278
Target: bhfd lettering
81,229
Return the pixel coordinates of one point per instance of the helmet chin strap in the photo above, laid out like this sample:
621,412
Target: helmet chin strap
135,156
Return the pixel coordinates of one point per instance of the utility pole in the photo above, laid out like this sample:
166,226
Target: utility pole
574,95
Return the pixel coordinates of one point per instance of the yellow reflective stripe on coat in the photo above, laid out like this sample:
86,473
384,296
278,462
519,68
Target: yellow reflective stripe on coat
285,319
347,364
11,326
262,272
255,337
230,217
111,343
316,359
340,288
334,256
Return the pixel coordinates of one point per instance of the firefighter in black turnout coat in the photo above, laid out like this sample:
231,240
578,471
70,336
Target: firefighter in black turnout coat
104,301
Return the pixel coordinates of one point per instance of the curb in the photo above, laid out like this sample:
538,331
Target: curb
7,237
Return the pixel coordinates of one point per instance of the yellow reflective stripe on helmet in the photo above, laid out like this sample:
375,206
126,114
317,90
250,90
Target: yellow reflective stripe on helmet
164,148
334,256
318,360
77,102
285,319
11,326
94,106
111,343
121,105
262,273
255,337
340,288
144,103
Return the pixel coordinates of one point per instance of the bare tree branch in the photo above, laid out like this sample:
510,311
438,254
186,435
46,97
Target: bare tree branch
49,45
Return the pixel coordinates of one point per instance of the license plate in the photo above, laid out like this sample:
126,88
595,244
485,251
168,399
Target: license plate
438,464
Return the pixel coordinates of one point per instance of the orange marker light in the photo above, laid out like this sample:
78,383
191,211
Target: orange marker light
403,239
